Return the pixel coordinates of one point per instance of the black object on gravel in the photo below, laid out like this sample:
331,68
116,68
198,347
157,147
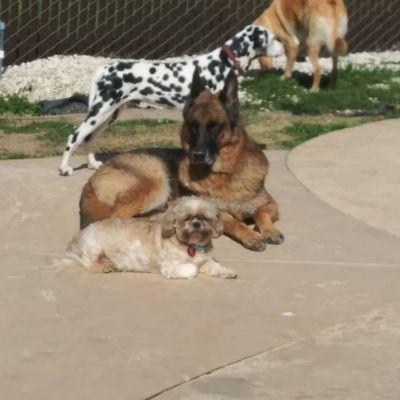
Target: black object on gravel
76,104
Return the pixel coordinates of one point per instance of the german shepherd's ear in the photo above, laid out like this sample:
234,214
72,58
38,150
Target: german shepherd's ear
197,84
196,88
229,97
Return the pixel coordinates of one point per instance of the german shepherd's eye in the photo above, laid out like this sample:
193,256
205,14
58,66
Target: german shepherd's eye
194,133
213,127
193,126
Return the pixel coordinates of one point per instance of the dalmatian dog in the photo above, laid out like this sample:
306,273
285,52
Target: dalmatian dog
165,82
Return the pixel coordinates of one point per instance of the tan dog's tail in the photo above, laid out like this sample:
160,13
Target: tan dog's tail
340,47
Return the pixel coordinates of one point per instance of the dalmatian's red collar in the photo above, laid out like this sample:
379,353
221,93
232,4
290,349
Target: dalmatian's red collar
232,56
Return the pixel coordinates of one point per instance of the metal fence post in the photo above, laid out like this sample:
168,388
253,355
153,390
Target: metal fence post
2,27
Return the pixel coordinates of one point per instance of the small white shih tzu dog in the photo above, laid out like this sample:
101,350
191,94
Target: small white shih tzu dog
177,243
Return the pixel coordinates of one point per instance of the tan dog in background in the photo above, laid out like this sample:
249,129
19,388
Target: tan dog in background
315,23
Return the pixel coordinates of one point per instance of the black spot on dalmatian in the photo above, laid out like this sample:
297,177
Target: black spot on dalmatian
152,70
117,95
220,77
146,91
212,66
124,65
159,85
236,46
224,59
196,62
87,138
181,79
211,85
92,122
158,93
163,100
67,148
165,77
111,69
94,110
183,63
105,90
111,76
74,136
178,98
117,83
131,79
178,88
175,73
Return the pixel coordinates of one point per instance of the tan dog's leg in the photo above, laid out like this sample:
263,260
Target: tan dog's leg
264,219
313,53
265,63
239,231
213,268
332,83
292,48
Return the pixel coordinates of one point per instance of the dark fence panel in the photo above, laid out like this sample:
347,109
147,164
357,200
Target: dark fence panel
160,28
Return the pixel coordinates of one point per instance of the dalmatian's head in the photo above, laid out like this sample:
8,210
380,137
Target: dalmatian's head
256,41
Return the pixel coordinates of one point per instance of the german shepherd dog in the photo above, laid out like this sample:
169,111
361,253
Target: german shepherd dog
218,161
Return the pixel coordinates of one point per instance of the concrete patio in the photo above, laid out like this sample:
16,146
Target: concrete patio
315,318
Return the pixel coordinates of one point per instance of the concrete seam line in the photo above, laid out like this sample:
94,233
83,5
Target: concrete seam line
265,351
271,349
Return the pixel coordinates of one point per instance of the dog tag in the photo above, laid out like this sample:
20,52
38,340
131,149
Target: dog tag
191,251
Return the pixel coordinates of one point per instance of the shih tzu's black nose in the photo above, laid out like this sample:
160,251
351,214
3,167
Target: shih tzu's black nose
196,224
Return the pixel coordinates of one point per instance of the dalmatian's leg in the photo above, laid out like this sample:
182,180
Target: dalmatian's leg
91,159
84,133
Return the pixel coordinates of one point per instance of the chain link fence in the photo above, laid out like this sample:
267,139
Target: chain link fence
160,28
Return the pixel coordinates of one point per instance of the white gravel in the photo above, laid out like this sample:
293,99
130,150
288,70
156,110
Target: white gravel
387,59
61,76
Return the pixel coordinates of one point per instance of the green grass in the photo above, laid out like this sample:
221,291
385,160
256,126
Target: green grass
17,105
303,131
57,131
53,131
357,89
12,155
134,125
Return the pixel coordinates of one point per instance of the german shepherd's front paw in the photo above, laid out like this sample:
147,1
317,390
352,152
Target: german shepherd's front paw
274,238
256,244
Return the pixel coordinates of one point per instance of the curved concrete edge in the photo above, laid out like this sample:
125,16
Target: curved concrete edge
356,171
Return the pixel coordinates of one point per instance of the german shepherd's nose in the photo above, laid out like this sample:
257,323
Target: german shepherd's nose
198,157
